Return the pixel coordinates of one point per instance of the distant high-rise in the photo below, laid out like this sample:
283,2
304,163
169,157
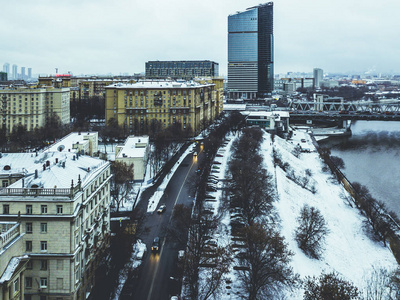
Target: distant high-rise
14,72
318,76
250,53
29,73
23,73
6,68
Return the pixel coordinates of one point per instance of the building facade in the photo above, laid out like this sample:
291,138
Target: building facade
57,213
134,152
14,72
186,69
31,107
93,88
250,53
318,77
3,76
188,104
6,69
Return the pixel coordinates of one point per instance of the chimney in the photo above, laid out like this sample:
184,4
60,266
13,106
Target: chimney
47,163
56,160
44,167
36,173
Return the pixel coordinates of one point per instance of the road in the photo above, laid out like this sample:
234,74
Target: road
154,281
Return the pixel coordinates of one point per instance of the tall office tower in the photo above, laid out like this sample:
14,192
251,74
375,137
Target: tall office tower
14,72
250,53
6,68
318,76
29,73
22,73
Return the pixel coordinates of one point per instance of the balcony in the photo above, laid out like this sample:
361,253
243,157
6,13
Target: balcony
10,230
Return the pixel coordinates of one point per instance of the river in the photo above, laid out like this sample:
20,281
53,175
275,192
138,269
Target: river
372,157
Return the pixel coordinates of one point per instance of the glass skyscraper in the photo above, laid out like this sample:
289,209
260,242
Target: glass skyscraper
250,53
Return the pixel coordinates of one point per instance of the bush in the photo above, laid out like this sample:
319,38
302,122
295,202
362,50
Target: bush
311,231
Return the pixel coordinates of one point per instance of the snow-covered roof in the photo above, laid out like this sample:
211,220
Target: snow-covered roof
229,107
11,267
268,114
135,146
66,143
164,84
61,169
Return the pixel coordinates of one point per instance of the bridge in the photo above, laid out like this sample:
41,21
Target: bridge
383,110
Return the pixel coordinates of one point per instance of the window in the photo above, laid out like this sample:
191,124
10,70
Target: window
43,209
29,209
43,298
43,282
43,246
59,209
6,209
43,264
43,227
16,285
28,246
4,183
28,282
28,227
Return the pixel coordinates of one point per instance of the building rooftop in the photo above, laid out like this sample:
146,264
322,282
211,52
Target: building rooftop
66,144
50,169
164,84
135,146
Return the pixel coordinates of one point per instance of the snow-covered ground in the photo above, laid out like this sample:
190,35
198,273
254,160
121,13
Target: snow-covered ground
348,251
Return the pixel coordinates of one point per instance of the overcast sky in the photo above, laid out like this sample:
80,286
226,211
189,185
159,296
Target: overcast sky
88,37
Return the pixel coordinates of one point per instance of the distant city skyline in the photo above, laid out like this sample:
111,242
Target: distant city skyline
87,37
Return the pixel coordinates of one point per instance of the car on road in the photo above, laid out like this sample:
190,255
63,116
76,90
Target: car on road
194,154
155,247
181,254
161,209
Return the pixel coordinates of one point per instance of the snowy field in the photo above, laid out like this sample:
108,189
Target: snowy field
347,251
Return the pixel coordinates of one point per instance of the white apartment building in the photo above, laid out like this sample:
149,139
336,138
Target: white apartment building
134,151
31,106
56,221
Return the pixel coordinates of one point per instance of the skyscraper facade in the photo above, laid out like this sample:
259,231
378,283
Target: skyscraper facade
250,53
14,72
318,76
23,73
6,68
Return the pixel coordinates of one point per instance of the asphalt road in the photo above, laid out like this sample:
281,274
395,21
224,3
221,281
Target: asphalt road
153,280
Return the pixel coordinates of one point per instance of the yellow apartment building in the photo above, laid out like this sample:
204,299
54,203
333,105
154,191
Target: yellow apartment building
31,106
190,104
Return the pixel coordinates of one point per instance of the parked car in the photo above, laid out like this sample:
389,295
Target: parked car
161,209
181,254
156,245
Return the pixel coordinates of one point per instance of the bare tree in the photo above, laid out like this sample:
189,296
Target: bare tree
121,183
297,150
265,263
329,286
311,231
211,283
